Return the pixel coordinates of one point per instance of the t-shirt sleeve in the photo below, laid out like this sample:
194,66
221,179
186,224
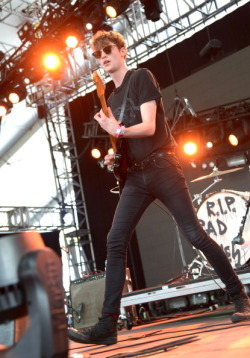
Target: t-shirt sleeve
145,86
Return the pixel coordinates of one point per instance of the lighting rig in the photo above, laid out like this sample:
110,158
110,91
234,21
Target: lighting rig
74,20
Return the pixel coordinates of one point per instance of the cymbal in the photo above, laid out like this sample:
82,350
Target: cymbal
216,173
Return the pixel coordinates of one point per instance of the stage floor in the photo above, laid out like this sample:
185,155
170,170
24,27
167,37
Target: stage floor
196,334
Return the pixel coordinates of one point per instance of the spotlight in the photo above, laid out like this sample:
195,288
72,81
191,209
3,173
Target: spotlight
190,148
54,64
152,9
236,136
47,57
72,34
51,61
17,94
25,32
189,143
115,8
96,18
96,153
212,136
89,26
72,41
209,144
211,49
5,107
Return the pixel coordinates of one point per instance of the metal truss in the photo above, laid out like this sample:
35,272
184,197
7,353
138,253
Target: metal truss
70,191
179,19
42,218
230,112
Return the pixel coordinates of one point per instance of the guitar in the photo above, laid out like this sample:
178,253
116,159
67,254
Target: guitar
119,166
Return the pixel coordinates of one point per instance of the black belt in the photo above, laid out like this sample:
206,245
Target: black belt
152,156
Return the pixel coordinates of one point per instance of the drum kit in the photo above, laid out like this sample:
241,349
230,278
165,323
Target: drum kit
224,216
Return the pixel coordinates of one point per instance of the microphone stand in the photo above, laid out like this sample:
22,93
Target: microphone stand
239,239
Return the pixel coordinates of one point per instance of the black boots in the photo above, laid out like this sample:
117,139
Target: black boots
242,307
104,332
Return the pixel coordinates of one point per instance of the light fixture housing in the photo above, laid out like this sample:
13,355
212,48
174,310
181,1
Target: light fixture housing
115,8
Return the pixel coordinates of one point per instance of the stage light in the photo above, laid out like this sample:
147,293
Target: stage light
189,144
209,144
190,148
152,9
72,41
51,61
54,64
96,153
211,49
235,137
115,8
96,18
89,26
5,107
17,94
212,135
26,32
72,33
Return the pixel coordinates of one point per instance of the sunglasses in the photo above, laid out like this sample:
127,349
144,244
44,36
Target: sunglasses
107,50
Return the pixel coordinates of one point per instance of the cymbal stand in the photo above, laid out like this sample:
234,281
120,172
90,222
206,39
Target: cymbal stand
198,197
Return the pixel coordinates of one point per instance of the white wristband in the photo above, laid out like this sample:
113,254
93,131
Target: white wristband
120,132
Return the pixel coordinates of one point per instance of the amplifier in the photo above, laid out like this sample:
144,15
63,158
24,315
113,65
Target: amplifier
87,297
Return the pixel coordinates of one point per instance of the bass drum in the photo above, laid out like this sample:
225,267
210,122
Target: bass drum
221,216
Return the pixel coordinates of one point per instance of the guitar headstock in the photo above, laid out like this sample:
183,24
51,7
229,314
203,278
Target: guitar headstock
100,84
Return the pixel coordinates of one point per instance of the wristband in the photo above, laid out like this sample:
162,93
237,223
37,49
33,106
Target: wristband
120,132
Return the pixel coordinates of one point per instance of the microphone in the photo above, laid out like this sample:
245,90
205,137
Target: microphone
239,240
189,107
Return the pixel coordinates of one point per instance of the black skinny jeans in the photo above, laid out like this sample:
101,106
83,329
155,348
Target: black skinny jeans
161,178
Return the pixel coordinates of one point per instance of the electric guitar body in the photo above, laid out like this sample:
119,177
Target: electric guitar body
120,163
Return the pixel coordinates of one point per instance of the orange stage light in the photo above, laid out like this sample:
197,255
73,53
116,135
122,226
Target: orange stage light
190,148
52,61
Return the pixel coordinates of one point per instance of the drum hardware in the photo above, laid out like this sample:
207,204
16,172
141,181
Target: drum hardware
198,197
239,239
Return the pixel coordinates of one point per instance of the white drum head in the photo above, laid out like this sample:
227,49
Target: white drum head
221,216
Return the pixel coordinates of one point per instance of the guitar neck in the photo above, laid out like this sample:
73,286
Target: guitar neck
113,140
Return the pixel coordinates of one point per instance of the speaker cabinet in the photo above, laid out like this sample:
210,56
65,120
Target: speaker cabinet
87,297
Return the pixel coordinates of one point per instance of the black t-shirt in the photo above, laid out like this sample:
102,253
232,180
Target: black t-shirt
143,88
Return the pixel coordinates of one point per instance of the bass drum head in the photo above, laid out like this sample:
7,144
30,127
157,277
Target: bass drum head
221,216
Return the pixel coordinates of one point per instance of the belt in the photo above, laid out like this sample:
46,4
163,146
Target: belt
150,157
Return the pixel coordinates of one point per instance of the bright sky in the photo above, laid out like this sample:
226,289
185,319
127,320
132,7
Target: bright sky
27,178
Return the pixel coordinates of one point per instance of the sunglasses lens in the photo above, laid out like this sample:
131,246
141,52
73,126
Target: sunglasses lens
106,49
97,54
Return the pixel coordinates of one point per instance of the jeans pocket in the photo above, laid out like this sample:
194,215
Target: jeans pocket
162,162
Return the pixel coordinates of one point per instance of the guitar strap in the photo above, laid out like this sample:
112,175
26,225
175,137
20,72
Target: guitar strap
124,100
